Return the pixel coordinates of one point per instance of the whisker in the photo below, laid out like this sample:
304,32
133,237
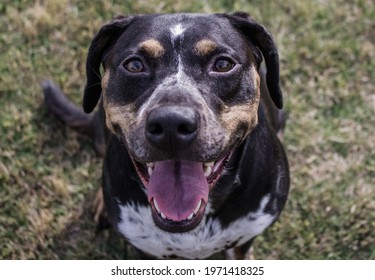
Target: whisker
96,73
93,85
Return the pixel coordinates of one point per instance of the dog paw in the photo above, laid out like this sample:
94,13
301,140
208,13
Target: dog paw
98,210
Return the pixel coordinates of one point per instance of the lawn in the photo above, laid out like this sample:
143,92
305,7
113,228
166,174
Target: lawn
49,173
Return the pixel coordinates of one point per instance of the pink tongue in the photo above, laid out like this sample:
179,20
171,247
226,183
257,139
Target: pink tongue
177,186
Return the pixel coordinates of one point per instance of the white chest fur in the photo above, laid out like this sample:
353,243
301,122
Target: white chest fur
208,238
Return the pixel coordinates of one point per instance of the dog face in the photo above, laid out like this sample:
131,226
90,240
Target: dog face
181,92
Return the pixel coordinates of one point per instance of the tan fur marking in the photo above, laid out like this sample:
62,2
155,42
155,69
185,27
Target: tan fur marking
246,112
152,47
104,82
205,47
98,207
122,116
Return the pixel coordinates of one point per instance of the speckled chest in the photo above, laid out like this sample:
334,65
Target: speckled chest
210,237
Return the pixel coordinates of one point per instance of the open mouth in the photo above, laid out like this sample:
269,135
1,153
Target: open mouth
178,190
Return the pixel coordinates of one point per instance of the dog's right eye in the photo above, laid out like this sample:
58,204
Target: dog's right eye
223,65
134,66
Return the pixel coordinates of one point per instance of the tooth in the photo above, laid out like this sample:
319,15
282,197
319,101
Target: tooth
207,170
197,207
150,167
163,215
158,210
150,170
190,216
157,207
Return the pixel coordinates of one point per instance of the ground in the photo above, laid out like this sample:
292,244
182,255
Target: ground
49,174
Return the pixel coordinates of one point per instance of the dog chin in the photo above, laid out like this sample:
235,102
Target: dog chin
178,190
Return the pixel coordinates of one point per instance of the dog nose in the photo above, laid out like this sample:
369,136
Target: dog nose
172,128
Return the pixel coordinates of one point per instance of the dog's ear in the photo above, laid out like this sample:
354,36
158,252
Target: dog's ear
103,41
259,36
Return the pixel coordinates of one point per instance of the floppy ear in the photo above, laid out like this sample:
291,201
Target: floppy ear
100,45
260,37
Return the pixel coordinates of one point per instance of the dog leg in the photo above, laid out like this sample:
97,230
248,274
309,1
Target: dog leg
243,252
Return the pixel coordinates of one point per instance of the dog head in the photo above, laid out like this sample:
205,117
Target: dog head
181,92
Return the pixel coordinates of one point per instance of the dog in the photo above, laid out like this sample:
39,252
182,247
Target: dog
188,120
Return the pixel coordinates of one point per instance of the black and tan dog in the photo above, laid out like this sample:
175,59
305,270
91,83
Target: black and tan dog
193,164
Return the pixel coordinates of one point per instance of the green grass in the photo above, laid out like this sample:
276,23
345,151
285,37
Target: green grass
49,173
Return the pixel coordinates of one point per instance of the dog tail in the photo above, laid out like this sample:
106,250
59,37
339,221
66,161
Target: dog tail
58,104
65,110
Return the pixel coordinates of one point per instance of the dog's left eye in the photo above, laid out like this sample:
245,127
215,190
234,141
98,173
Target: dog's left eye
134,66
223,65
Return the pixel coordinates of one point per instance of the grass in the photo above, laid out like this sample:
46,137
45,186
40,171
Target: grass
49,173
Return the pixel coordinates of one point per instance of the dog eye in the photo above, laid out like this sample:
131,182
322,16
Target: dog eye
223,65
134,66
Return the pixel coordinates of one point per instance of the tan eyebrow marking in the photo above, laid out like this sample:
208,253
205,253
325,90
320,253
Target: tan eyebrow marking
205,47
152,47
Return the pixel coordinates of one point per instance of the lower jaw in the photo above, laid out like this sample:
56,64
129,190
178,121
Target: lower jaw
177,227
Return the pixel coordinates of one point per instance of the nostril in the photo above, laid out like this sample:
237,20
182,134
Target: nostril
155,128
186,128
